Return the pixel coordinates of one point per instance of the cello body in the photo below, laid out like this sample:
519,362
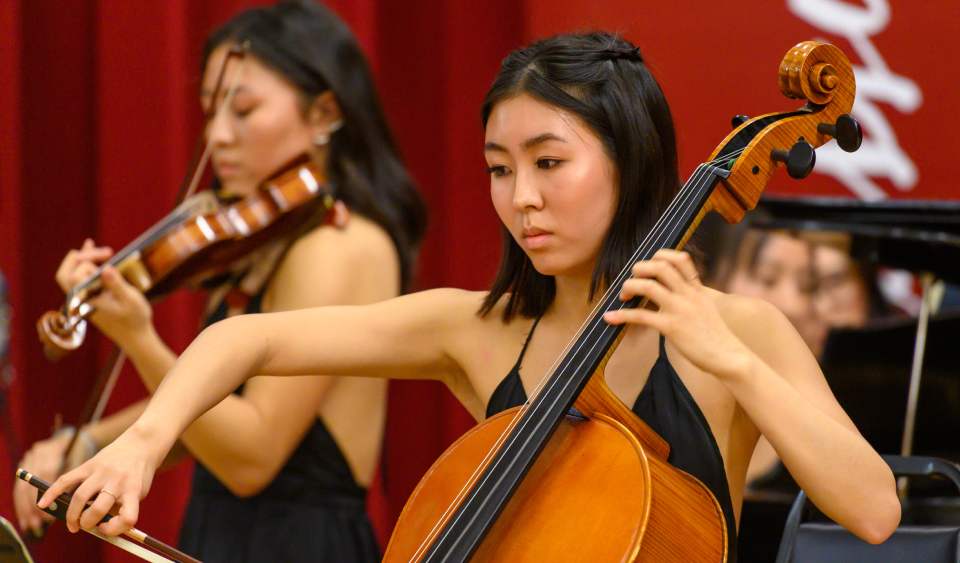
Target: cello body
595,488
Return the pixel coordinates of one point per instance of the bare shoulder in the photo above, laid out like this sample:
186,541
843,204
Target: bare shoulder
460,306
361,242
481,331
337,266
768,332
746,313
772,337
453,316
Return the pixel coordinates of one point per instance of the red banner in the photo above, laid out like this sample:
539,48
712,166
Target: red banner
718,59
98,111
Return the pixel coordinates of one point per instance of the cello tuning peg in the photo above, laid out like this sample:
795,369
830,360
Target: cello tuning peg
738,120
799,159
846,131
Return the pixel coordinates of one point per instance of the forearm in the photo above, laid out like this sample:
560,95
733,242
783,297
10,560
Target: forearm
150,356
235,442
837,468
221,358
107,429
213,439
401,337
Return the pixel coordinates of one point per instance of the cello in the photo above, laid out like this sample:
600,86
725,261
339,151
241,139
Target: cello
573,474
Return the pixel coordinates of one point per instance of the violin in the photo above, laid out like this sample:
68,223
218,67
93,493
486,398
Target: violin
200,239
197,240
574,474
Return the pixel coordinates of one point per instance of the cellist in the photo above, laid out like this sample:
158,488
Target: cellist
580,147
278,455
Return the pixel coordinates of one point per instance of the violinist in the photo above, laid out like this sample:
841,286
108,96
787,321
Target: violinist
283,463
580,147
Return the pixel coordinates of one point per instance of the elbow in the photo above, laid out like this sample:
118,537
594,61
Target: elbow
247,483
245,488
876,527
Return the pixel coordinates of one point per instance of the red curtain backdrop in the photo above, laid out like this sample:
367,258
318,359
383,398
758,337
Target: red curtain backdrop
98,113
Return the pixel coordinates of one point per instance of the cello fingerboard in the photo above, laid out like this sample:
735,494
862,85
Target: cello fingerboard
469,523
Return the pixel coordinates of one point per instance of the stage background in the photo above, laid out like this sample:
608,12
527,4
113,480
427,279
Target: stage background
98,113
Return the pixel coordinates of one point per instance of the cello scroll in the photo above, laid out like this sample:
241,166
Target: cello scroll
813,71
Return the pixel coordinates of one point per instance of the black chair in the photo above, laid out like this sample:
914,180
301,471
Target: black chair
823,542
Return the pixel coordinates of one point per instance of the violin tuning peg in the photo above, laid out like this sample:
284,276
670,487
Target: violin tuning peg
846,131
799,159
738,120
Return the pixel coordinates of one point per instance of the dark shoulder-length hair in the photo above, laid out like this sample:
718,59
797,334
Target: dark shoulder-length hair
602,79
315,51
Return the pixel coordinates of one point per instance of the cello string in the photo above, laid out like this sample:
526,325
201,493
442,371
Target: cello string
627,269
555,381
695,190
512,429
650,241
518,416
698,174
609,305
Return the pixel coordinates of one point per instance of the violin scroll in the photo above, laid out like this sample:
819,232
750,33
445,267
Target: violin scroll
60,334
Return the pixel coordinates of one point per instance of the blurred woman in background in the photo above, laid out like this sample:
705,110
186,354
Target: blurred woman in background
283,462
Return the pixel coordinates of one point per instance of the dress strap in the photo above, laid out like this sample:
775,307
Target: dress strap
663,348
526,342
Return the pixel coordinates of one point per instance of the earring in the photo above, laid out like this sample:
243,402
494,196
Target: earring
321,139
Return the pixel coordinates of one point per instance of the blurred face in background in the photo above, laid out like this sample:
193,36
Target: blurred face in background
778,268
262,128
842,299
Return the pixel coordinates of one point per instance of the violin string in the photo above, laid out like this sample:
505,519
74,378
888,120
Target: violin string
544,380
136,244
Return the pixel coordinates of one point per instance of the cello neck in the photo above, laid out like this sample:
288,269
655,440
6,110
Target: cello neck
470,522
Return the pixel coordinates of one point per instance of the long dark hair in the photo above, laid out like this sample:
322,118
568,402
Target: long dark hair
313,49
602,79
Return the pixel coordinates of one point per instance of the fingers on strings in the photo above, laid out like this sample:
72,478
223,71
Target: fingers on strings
668,276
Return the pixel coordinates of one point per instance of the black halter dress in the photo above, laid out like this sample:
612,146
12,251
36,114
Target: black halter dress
667,407
314,510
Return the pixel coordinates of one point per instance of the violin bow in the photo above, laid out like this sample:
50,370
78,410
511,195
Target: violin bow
136,542
107,379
